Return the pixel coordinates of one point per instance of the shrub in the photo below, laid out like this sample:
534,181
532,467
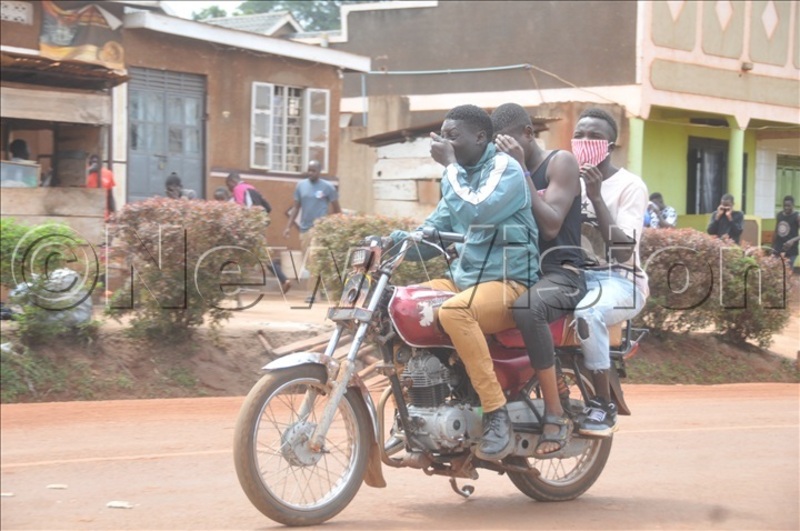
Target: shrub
28,374
335,235
54,307
28,249
186,257
697,281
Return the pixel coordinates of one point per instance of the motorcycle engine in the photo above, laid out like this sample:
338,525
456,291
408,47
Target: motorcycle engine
438,425
427,379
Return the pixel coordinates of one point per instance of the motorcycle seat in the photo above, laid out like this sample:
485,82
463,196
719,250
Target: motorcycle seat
563,332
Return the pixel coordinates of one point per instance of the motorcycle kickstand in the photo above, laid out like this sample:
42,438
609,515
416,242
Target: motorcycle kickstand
466,491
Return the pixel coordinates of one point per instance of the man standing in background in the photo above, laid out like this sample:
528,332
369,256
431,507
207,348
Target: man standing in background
312,196
725,221
787,232
658,214
106,180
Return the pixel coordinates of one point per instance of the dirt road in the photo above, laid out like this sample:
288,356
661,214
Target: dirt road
722,457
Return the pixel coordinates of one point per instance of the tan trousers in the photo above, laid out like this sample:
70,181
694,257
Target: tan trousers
305,244
481,309
305,241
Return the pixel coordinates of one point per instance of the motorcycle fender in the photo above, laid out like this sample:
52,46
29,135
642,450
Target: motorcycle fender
616,392
303,358
373,476
374,473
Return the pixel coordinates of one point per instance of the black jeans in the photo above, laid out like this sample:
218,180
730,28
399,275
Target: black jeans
556,294
275,267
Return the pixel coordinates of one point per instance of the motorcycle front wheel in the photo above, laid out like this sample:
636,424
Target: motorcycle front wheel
563,479
283,478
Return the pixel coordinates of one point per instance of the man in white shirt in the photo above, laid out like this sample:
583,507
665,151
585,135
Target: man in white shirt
613,201
659,215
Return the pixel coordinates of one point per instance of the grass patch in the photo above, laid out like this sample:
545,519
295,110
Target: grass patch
706,360
181,376
113,366
29,374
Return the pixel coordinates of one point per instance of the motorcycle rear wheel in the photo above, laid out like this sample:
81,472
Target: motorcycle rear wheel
564,479
282,477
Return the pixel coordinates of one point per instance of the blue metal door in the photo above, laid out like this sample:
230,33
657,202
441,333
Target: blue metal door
166,124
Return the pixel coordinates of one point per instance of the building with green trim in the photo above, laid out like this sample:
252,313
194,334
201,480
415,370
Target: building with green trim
707,94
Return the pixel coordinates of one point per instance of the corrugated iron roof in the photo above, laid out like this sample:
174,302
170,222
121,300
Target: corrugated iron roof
48,72
409,133
262,23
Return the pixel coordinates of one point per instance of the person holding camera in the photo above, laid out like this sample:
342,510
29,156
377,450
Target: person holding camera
725,221
658,215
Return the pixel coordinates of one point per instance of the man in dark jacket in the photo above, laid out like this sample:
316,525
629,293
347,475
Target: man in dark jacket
725,221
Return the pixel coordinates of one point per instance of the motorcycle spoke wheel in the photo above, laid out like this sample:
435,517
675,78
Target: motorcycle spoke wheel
281,475
565,478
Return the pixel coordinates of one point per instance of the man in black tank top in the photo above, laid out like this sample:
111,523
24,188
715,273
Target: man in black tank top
555,194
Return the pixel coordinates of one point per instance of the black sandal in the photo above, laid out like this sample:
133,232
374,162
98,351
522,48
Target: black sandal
561,437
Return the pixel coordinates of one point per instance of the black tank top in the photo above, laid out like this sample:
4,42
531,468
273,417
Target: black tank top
569,237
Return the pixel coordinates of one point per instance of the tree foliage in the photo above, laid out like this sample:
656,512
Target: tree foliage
209,12
313,15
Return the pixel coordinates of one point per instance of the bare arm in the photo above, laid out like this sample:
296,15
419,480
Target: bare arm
551,209
292,217
613,235
336,208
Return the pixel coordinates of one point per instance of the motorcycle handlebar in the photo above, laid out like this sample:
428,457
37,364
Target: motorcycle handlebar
434,236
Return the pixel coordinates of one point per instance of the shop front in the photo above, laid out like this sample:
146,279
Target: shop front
56,102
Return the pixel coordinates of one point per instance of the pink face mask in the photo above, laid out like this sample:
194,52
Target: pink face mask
591,152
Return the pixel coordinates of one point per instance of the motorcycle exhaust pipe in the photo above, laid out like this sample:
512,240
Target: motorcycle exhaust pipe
388,461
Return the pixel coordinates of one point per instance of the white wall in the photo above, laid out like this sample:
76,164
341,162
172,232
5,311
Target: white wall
767,152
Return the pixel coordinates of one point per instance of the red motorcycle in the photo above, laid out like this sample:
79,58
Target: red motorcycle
309,431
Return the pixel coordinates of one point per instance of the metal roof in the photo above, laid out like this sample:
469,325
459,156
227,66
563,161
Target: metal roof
410,133
27,68
262,23
246,40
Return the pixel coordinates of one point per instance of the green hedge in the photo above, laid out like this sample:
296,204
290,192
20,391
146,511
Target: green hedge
27,249
188,257
334,237
699,281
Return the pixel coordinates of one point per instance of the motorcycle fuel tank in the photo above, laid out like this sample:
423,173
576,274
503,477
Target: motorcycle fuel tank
413,311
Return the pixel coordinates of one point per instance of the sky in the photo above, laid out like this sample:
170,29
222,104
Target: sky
184,9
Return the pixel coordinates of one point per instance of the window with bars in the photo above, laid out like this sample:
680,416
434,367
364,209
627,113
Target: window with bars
289,127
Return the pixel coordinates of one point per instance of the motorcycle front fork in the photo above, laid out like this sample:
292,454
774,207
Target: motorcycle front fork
347,368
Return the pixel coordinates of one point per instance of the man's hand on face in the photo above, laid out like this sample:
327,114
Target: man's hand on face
593,179
507,144
442,150
720,212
